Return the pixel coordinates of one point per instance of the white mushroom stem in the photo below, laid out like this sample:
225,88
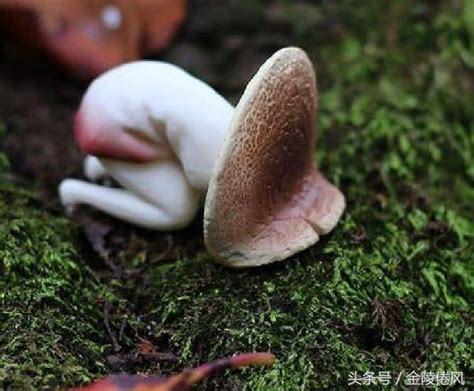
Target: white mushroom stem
157,131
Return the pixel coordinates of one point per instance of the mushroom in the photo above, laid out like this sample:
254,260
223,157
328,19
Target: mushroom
158,132
266,200
90,37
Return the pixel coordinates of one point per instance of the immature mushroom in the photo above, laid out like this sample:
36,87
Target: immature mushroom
266,200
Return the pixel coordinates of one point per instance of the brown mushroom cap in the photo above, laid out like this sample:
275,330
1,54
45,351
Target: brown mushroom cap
266,200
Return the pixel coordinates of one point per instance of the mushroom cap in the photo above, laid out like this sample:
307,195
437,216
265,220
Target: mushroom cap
266,200
90,37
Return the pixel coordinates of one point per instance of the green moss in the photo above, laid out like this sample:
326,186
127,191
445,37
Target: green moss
50,317
390,289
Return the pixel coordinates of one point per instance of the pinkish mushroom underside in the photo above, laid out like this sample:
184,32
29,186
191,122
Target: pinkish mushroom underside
266,200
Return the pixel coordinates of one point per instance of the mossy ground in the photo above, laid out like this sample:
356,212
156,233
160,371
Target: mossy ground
50,321
390,289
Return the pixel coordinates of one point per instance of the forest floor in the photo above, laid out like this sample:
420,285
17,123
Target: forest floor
390,289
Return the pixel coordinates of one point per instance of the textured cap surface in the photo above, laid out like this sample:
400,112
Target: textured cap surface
266,201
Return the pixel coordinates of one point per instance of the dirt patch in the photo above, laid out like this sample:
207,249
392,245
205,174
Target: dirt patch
37,102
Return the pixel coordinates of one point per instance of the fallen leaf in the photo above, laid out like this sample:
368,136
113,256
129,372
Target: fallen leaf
180,382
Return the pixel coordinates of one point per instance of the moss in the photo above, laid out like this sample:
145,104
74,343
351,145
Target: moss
50,317
390,289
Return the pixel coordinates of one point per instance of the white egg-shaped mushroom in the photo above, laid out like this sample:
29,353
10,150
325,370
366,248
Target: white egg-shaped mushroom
266,199
156,130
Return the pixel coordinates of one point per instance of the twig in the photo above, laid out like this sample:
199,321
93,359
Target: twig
111,333
158,356
122,329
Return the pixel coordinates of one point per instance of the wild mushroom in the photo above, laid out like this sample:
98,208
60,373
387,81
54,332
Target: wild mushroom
266,200
90,37
157,131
